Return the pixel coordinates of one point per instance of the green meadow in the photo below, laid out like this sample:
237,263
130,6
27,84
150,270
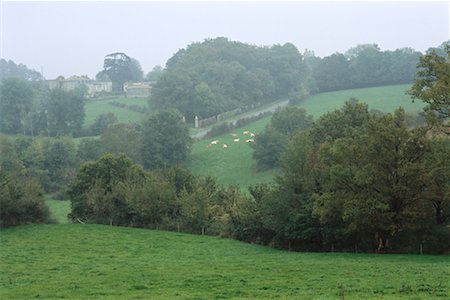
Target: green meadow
235,165
94,108
75,261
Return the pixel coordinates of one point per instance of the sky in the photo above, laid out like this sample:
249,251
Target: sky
72,38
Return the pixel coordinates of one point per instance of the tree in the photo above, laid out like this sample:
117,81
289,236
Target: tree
121,68
165,140
9,161
123,138
377,173
22,202
59,160
89,149
432,85
271,143
291,119
65,112
95,195
154,74
268,147
8,69
102,122
340,122
15,103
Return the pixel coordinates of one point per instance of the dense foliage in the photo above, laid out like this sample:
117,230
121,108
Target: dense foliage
21,201
271,143
218,75
30,108
9,69
113,190
363,66
165,140
359,180
433,83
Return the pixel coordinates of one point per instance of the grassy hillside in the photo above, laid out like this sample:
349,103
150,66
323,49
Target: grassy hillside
94,261
235,165
95,108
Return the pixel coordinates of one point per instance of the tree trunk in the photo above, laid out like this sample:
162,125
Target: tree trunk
421,249
203,230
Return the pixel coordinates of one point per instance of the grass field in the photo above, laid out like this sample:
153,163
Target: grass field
97,107
93,261
59,210
235,165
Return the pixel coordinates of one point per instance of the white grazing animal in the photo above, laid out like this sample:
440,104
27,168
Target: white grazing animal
246,132
250,141
225,146
236,140
252,134
215,142
234,134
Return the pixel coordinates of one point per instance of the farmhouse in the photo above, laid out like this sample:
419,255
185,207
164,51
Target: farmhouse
69,84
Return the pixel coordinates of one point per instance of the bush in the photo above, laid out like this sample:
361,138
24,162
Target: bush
21,203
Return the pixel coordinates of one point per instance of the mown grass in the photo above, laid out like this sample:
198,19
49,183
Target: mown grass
92,261
235,165
95,108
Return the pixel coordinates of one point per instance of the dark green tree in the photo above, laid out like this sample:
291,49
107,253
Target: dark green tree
65,112
102,122
123,138
165,140
21,202
95,193
16,97
121,68
432,84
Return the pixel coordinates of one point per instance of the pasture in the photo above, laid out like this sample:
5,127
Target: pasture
93,261
235,165
94,108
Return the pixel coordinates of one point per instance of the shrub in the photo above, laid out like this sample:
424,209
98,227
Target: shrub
21,203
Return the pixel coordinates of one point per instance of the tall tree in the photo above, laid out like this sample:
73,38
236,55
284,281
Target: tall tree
433,83
165,140
65,112
121,68
15,103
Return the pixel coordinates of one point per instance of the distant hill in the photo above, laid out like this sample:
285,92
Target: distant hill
235,165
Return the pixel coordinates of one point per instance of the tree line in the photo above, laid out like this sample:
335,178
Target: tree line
218,75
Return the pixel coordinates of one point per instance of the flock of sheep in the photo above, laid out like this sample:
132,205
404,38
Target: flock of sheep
235,140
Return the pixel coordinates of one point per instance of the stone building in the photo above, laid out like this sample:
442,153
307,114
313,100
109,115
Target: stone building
69,84
137,89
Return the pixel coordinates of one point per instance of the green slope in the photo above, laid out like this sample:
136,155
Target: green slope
235,165
94,108
94,261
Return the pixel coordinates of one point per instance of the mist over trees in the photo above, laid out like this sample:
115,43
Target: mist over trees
218,75
9,69
352,180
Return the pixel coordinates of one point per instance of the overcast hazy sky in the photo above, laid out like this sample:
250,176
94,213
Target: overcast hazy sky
72,38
